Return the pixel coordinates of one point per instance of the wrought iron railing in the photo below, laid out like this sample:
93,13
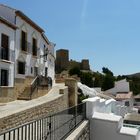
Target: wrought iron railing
54,127
25,46
43,81
34,85
28,48
39,81
132,126
7,54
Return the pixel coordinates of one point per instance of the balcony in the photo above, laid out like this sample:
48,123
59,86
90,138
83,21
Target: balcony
7,54
27,48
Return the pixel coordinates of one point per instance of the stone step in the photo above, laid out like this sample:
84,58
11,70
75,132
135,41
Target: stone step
23,98
25,95
24,92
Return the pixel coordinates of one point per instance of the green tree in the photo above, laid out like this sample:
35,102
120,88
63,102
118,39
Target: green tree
108,82
74,70
86,78
107,71
98,79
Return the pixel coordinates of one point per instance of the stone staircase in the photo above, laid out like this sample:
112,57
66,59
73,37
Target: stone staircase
25,90
22,88
25,94
40,92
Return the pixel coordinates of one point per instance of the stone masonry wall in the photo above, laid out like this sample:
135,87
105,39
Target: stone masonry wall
34,113
7,94
72,91
85,135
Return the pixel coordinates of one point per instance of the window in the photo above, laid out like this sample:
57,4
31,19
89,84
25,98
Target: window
45,53
4,77
127,103
23,41
34,47
46,71
21,67
4,47
31,70
35,71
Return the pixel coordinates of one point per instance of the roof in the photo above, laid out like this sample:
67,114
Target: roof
137,96
110,95
8,23
124,96
104,96
45,38
9,14
7,6
132,117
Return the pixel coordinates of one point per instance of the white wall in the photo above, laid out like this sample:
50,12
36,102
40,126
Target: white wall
10,65
51,62
103,127
120,86
27,57
104,124
31,61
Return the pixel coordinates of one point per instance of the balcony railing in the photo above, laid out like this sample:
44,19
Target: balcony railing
54,127
39,81
7,54
27,47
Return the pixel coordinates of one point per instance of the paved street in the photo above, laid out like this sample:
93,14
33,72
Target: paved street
20,105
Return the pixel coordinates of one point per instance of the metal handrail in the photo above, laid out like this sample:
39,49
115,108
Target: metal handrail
7,54
54,127
38,81
34,85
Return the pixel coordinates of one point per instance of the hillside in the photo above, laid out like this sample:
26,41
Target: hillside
134,80
134,75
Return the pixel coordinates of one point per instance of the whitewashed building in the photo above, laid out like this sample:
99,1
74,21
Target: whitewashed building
25,52
7,44
120,86
106,123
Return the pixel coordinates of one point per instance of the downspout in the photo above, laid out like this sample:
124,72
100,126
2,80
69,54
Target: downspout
15,51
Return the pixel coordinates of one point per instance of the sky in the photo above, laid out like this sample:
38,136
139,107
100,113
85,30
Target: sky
107,32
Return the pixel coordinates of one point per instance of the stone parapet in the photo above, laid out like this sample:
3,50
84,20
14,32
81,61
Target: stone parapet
81,132
72,91
35,112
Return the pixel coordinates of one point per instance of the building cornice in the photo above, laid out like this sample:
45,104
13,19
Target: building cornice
45,38
29,21
4,21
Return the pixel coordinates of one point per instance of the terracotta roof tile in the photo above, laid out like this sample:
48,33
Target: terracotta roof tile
123,96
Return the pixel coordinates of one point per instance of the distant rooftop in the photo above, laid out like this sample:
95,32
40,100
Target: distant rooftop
123,96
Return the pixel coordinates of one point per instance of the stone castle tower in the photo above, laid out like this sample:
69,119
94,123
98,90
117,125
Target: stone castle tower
85,64
62,60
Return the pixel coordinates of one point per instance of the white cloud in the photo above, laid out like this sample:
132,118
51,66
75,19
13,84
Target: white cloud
84,13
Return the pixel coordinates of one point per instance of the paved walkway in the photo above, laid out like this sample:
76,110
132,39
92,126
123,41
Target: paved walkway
10,108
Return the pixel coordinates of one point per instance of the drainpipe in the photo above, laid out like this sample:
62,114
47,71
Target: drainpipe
15,51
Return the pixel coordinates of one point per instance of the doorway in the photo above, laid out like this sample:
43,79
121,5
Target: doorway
46,71
4,77
35,71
